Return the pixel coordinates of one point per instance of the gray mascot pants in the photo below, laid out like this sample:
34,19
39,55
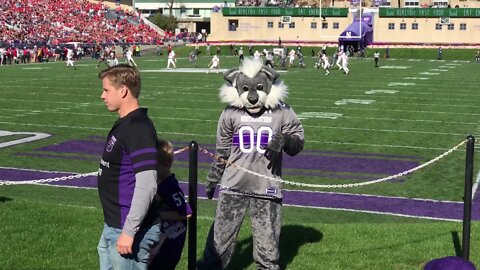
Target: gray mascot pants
266,217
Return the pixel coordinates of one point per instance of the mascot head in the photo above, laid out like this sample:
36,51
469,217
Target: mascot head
253,86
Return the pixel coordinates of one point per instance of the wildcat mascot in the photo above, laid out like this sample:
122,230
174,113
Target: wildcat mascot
253,131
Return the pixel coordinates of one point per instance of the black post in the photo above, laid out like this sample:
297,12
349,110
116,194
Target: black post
467,198
192,199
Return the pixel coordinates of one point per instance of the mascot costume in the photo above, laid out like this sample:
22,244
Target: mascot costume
253,131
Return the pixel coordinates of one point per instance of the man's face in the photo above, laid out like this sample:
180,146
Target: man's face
112,96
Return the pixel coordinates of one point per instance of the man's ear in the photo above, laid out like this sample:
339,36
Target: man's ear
231,75
123,91
271,73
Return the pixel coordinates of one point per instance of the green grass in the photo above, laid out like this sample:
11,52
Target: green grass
58,228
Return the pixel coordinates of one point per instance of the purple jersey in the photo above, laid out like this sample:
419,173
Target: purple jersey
170,251
172,195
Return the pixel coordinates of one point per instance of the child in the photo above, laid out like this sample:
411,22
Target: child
174,212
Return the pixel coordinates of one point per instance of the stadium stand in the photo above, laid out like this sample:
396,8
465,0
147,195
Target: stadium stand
56,22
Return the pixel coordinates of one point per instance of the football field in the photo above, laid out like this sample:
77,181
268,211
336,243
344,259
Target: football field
371,124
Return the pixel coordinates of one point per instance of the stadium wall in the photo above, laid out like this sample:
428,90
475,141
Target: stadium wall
405,27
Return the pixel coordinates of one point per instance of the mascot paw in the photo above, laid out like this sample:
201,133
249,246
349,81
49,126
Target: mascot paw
273,153
210,189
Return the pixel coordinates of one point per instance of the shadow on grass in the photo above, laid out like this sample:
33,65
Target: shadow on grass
4,199
456,244
291,239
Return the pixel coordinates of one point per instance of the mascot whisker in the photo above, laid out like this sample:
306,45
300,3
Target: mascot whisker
253,131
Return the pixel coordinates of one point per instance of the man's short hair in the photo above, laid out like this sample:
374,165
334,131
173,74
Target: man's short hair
165,152
123,74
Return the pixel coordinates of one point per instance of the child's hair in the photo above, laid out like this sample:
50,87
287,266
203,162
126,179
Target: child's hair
165,153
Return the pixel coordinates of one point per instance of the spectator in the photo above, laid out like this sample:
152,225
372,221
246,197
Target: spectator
131,216
38,21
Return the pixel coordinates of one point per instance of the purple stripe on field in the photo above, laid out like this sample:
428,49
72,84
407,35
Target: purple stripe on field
363,154
23,175
346,164
402,206
360,163
476,206
143,151
56,156
300,173
211,147
334,164
76,146
206,165
145,163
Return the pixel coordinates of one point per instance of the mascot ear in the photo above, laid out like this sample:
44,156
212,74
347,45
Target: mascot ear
271,73
231,75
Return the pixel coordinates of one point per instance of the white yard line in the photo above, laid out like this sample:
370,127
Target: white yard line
380,145
386,130
297,106
374,196
410,120
387,110
374,212
475,185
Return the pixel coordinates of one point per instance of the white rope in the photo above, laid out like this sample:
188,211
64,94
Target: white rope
47,180
63,178
278,179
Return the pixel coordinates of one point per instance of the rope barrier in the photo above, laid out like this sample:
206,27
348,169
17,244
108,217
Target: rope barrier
276,179
47,180
63,178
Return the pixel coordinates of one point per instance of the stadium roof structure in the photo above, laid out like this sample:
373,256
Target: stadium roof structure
357,31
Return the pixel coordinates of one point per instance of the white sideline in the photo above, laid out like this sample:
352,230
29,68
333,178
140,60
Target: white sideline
475,186
376,212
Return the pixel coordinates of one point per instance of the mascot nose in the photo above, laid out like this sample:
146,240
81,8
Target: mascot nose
253,100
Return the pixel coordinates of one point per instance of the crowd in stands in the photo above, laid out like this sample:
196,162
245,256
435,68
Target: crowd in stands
55,22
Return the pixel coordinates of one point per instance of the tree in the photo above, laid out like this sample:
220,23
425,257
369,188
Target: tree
164,22
170,6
